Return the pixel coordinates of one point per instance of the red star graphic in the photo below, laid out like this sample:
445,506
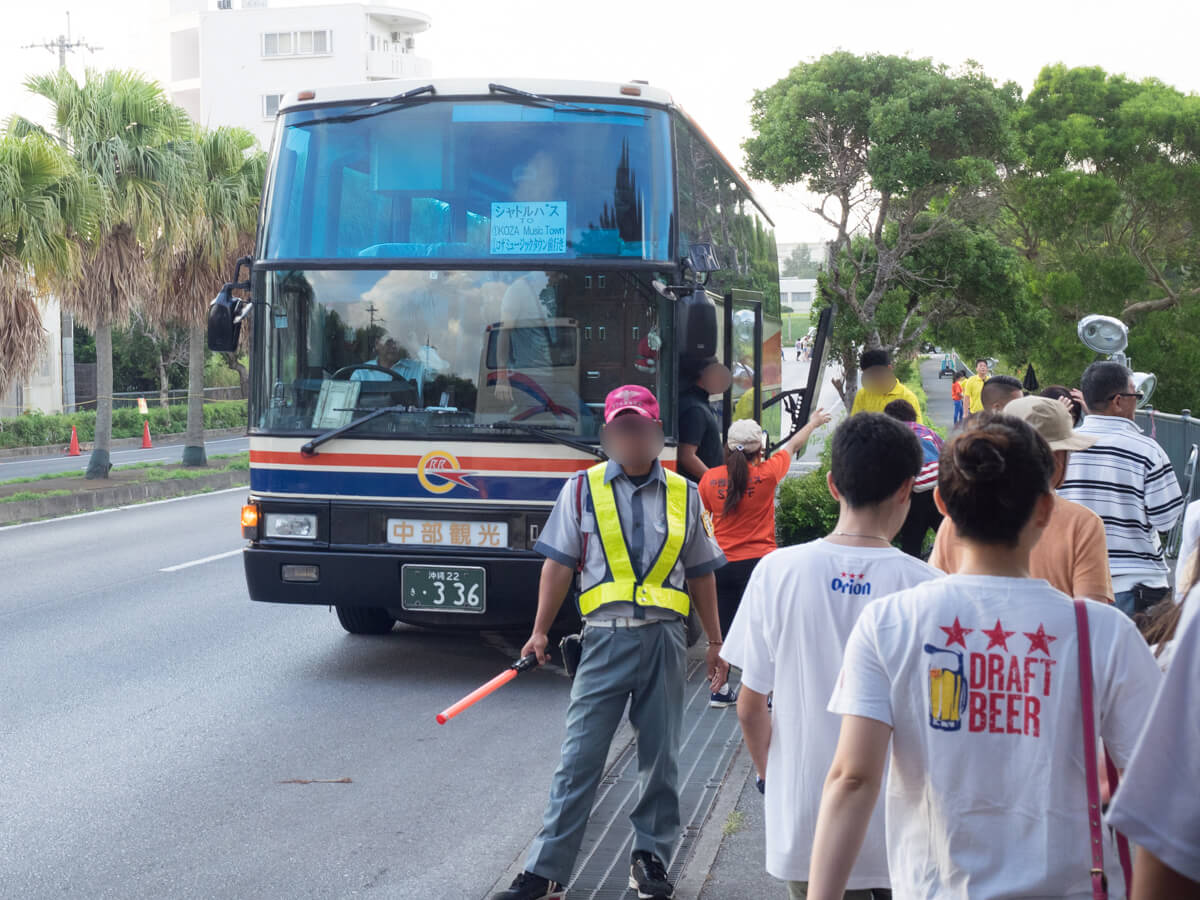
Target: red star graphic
956,633
1039,640
998,637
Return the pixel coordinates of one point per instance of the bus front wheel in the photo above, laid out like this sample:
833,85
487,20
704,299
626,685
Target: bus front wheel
365,619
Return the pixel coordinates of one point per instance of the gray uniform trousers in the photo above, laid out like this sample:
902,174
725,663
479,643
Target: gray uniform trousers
647,666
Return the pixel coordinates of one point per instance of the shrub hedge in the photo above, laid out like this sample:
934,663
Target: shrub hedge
36,429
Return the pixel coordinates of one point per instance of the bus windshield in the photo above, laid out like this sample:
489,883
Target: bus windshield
462,351
471,179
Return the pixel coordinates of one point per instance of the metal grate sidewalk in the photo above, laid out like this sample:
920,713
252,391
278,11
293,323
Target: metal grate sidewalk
710,737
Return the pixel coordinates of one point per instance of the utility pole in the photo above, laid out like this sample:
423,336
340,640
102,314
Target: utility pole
62,45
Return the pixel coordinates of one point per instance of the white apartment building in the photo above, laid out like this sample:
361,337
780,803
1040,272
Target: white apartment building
42,390
230,61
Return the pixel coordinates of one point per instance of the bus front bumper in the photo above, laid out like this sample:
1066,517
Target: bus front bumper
373,580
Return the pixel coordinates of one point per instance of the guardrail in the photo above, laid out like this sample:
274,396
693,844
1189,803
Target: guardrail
1179,436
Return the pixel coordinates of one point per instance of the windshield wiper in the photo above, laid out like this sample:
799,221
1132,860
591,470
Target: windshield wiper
546,434
377,107
310,448
539,100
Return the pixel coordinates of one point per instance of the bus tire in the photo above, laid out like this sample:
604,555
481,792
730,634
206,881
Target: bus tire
365,619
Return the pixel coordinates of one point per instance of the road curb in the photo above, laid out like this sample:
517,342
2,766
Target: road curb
712,832
118,443
117,495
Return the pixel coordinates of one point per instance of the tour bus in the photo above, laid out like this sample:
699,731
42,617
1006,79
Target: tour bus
448,278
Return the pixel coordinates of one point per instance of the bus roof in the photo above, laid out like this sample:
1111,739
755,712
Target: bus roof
478,87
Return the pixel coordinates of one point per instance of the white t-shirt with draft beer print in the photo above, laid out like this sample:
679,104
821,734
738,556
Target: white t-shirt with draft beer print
787,638
979,678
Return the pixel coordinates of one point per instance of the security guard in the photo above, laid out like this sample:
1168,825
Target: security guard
635,532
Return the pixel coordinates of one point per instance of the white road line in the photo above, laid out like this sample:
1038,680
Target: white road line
102,512
199,562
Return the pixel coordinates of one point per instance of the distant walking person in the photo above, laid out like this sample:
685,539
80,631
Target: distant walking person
973,387
956,394
1126,478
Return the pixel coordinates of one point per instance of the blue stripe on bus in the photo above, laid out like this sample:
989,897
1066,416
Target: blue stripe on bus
400,486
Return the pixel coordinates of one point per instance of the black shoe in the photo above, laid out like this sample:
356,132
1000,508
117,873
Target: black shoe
648,876
528,886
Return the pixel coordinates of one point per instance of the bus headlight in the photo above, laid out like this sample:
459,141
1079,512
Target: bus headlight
292,525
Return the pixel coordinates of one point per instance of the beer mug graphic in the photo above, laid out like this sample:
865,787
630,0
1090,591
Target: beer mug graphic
947,690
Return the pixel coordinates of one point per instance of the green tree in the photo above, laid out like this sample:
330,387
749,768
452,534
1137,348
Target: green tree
122,132
800,263
1105,209
898,149
44,200
225,169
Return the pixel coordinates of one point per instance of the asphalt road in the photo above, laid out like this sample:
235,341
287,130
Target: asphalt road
149,718
25,467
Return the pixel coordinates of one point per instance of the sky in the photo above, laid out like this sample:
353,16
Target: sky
711,56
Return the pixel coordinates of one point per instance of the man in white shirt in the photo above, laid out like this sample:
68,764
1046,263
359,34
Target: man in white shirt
1126,478
788,634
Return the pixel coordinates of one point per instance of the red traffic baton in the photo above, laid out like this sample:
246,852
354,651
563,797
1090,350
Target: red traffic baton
521,665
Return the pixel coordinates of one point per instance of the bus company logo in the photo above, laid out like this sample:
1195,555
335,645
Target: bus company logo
443,468
850,583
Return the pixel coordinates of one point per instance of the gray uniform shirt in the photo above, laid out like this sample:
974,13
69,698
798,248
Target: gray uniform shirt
643,513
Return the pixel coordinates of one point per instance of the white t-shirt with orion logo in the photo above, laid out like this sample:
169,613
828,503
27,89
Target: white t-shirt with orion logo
798,610
979,678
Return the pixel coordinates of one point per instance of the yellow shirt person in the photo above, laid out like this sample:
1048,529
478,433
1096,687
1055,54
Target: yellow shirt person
879,384
973,387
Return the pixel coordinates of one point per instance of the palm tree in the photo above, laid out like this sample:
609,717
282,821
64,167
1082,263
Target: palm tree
44,200
123,131
227,171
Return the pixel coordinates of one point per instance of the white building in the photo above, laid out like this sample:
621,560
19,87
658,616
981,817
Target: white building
41,391
230,61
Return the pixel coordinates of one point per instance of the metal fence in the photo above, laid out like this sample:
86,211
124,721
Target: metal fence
1180,437
129,399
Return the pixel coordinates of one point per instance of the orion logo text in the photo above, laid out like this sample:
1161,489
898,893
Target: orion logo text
851,583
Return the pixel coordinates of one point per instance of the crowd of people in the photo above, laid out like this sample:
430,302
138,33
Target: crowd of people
946,728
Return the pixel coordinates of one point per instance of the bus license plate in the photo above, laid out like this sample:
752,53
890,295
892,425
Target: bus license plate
460,589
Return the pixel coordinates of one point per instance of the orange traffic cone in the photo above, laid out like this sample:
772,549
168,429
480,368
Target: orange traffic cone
146,445
73,450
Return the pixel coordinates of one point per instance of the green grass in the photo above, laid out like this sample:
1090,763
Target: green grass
733,824
32,495
235,461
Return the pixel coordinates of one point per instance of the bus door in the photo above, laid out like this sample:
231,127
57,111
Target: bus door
743,354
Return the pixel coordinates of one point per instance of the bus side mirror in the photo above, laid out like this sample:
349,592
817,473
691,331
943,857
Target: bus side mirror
702,258
696,321
224,321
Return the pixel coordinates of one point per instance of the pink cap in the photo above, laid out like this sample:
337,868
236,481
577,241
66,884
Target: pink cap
630,396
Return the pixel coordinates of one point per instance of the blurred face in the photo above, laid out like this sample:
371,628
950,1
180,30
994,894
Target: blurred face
632,440
1125,403
981,369
880,379
387,352
715,379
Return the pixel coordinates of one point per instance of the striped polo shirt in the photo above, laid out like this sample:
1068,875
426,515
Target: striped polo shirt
1127,480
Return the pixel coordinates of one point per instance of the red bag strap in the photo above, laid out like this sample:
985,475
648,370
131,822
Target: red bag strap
1096,827
1099,883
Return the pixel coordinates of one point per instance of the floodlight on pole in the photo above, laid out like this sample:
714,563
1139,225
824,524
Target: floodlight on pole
1110,336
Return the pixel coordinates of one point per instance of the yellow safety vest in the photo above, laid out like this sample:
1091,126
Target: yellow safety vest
622,585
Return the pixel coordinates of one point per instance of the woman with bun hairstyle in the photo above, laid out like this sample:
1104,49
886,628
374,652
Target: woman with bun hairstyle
974,681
